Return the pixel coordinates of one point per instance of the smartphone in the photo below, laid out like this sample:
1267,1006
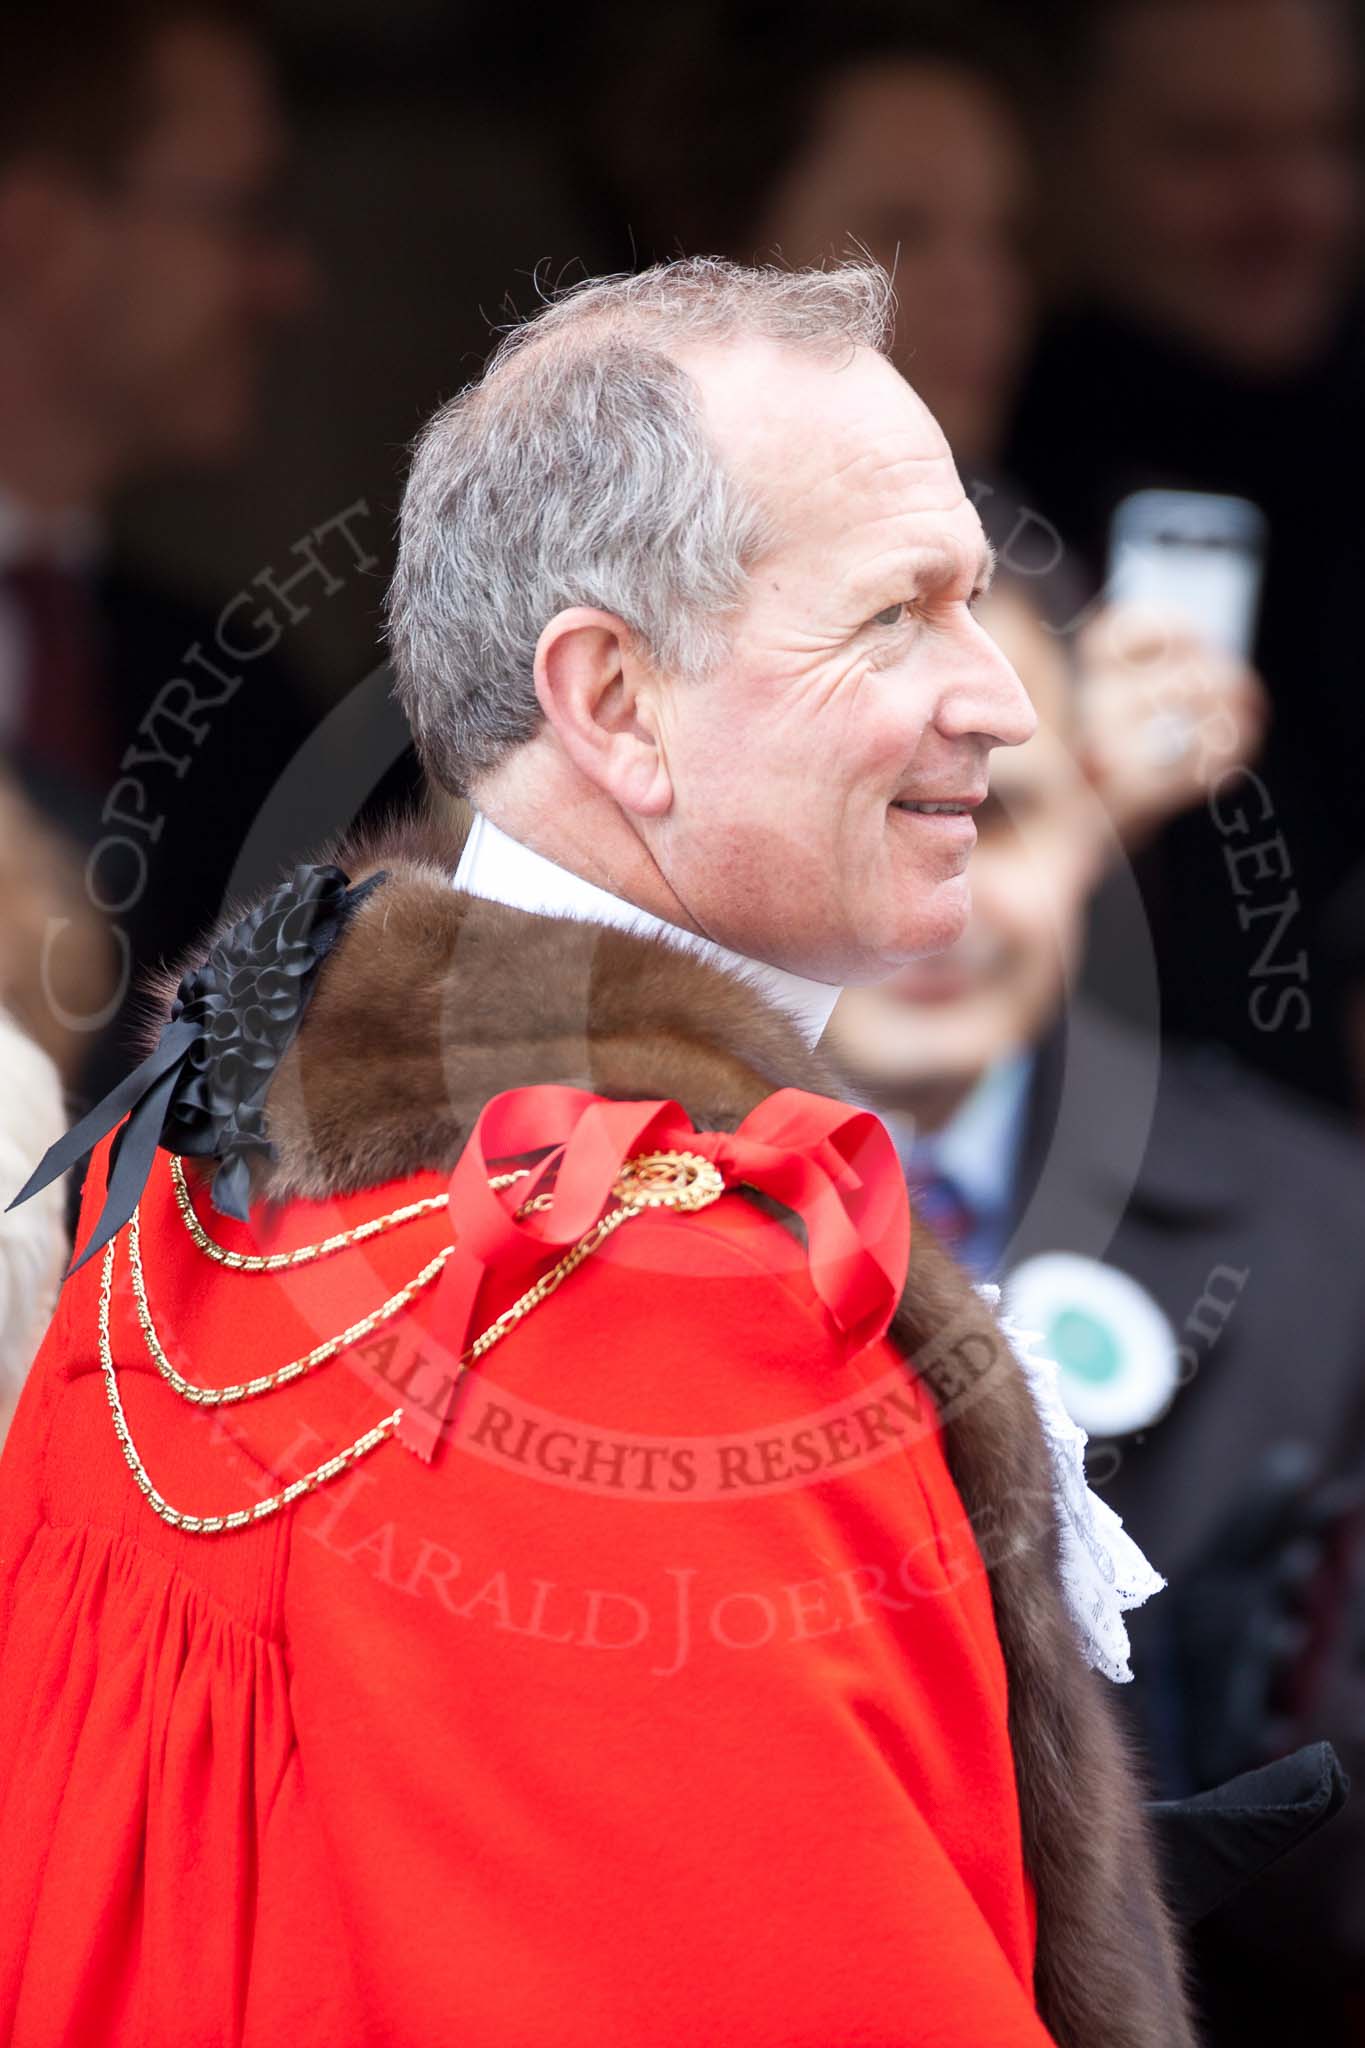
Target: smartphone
1192,552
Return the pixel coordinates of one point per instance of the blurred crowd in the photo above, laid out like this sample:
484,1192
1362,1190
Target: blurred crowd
1126,237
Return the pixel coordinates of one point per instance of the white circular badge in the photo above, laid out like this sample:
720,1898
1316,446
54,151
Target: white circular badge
1117,1353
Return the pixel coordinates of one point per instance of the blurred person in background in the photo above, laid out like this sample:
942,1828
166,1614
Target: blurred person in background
56,969
33,1240
1204,198
57,966
144,268
1208,1318
892,127
902,133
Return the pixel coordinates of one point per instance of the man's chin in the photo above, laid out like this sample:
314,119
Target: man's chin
875,939
937,924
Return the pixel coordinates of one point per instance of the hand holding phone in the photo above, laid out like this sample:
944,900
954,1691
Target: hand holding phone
1193,554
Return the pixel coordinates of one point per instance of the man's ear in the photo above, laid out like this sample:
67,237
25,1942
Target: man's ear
602,701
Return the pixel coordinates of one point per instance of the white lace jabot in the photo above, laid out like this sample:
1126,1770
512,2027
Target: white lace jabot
1103,1571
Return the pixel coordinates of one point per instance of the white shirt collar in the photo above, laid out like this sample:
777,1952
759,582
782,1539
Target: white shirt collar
502,869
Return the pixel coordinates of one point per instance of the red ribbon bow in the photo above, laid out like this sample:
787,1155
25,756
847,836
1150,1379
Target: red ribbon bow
834,1166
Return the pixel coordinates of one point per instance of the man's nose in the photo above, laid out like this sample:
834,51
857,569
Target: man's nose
984,696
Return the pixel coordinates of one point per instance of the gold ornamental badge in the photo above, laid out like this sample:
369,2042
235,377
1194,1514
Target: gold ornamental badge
669,1180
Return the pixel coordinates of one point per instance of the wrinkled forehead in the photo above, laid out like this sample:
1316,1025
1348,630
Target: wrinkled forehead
810,424
841,449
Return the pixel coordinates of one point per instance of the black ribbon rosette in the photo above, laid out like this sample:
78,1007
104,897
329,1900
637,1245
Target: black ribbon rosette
202,1091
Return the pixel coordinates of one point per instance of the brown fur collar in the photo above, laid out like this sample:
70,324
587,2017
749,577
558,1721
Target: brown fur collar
433,1002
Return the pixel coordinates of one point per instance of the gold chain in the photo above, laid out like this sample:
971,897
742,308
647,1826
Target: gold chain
678,1180
547,1283
277,1262
219,1397
213,1525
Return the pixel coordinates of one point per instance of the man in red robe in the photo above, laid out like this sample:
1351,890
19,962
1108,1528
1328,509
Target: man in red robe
512,1536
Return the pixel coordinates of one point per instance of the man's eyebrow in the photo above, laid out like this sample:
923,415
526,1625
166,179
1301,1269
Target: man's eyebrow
930,566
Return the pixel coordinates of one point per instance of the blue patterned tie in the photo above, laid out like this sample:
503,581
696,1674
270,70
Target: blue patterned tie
939,1200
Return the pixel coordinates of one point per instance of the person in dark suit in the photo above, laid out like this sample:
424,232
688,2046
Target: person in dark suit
143,269
1185,1237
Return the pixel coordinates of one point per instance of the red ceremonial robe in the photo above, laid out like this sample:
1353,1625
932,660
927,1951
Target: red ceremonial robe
665,1703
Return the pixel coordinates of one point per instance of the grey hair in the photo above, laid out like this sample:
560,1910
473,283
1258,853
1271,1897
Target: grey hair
577,471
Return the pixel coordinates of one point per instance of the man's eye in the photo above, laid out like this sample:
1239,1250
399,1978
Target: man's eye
890,617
